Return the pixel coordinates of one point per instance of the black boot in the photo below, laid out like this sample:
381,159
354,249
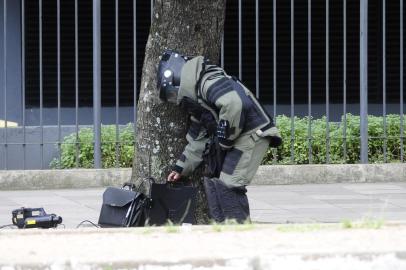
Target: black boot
212,200
226,202
233,202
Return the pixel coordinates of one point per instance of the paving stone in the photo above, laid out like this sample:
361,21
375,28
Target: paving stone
368,186
384,191
257,204
338,197
6,202
397,202
370,206
353,201
40,201
389,196
321,205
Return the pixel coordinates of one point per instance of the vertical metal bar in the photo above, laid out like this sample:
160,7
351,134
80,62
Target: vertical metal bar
309,75
256,50
222,51
117,144
135,62
23,77
96,84
59,77
5,81
274,151
292,80
401,82
274,59
384,79
345,79
364,79
152,10
41,87
327,83
77,143
239,40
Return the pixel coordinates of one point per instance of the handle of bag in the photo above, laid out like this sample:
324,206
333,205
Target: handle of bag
151,181
179,184
130,185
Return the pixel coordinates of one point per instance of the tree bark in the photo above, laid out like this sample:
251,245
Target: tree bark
192,27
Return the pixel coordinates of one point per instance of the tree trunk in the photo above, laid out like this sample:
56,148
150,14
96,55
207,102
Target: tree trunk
192,27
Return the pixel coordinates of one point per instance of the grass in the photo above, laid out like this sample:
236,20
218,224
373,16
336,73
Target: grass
170,227
365,223
232,225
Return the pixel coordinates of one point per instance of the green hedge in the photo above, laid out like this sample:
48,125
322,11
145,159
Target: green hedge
318,141
108,147
282,155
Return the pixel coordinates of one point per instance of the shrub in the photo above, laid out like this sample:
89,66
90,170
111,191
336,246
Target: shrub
85,148
318,140
281,155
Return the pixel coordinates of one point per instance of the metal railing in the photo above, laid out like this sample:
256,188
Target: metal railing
363,69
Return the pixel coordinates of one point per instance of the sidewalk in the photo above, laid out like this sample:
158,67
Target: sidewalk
269,204
246,247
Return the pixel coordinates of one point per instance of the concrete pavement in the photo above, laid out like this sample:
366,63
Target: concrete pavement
245,247
269,204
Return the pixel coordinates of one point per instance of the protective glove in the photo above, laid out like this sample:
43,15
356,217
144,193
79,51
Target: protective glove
273,134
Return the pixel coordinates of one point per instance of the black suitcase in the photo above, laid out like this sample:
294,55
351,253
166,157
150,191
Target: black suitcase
174,203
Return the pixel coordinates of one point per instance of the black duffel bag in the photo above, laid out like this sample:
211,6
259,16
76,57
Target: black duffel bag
123,207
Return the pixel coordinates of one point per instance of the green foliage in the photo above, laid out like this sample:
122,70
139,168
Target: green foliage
83,146
365,223
341,138
232,225
170,227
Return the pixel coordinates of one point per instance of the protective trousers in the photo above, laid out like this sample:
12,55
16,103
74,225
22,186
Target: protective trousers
242,161
226,202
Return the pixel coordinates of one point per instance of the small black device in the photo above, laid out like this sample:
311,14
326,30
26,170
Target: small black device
25,218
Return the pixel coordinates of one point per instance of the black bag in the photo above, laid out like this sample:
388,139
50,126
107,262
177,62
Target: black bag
123,207
172,202
213,158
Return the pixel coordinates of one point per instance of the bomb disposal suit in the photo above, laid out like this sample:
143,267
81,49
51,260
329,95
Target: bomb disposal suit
229,130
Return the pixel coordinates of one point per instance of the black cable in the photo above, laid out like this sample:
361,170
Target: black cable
8,225
87,221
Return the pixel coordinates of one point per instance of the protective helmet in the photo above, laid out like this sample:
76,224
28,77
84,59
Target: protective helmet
169,71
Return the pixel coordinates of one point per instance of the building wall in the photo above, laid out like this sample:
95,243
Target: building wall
14,97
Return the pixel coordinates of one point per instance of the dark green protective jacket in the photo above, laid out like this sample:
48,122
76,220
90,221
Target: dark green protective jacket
227,99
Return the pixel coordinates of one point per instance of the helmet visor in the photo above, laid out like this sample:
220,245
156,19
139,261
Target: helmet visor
171,93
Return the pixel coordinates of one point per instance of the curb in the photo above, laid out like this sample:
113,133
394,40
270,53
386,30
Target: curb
58,179
266,175
329,174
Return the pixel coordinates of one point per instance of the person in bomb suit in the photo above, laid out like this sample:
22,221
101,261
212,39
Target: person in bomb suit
229,130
